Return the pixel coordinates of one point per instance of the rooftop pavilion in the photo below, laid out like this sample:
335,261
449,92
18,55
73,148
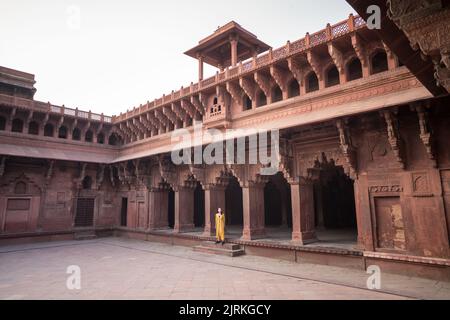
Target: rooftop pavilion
227,46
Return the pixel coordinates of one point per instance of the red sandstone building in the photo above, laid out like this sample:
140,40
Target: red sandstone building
364,176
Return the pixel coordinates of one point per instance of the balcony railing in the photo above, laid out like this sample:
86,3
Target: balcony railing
329,33
39,106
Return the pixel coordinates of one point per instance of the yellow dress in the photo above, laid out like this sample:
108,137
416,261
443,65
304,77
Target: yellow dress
220,227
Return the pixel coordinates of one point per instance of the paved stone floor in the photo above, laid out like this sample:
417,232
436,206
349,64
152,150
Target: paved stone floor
116,268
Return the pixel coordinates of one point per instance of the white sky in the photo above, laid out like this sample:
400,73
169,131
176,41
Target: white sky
127,52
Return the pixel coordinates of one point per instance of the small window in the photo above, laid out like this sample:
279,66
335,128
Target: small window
48,130
379,62
262,99
89,136
2,123
294,88
113,141
76,134
247,103
354,70
101,138
277,94
87,183
17,125
21,188
215,101
62,133
333,77
312,82
33,128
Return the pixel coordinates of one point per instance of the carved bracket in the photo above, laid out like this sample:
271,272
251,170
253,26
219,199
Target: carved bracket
235,91
394,136
426,134
296,69
315,64
249,87
347,148
337,57
264,82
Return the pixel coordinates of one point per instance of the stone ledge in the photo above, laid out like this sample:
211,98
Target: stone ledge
407,258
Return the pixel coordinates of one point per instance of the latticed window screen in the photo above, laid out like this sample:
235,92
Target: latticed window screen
85,212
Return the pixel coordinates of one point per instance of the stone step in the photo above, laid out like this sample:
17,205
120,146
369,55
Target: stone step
228,246
229,249
85,235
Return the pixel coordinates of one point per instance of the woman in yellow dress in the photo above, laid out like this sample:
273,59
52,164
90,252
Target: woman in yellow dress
220,226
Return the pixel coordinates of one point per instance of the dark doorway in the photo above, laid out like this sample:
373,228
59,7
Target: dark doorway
233,203
334,200
85,212
199,206
171,208
124,212
277,202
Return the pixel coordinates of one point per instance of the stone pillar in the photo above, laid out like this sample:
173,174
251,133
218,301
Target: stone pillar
184,210
359,222
254,215
214,199
302,194
158,209
200,68
234,53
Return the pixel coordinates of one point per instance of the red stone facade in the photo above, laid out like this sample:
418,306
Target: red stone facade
364,147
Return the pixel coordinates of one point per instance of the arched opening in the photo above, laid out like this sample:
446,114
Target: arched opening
379,62
294,88
62,132
312,83
277,94
354,70
113,140
199,206
17,125
247,103
234,211
278,208
262,99
48,130
76,134
171,208
87,183
334,204
89,136
20,188
2,123
33,128
215,101
101,138
332,77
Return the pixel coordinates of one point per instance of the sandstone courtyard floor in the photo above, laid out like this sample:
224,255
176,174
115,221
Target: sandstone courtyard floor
116,268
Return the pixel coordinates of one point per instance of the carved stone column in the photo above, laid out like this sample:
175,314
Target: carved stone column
184,209
303,229
158,209
359,217
254,214
214,199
